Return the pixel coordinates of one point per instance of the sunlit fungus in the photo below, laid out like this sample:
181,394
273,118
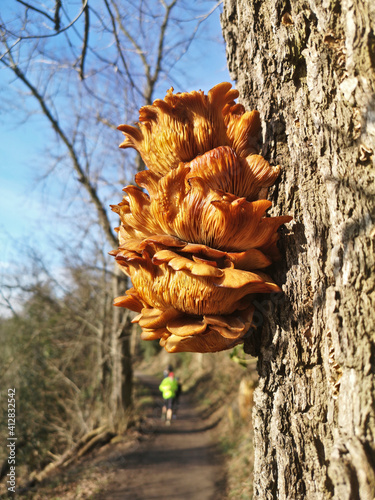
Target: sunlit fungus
194,235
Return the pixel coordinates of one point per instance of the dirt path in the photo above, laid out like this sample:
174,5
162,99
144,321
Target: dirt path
177,462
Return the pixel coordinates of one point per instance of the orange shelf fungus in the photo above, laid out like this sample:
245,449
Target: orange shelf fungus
195,244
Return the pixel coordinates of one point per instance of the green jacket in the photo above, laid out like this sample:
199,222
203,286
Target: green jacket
168,387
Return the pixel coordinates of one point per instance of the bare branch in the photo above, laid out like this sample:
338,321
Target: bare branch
57,15
132,40
106,122
119,48
8,303
82,177
85,42
163,28
30,37
36,10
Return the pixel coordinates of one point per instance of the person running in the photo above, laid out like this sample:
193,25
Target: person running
168,388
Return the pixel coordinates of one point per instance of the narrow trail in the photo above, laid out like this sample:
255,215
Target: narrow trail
179,462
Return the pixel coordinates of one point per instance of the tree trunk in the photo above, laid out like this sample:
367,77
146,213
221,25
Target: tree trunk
122,371
309,68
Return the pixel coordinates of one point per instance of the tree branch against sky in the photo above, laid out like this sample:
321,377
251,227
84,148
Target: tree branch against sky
88,67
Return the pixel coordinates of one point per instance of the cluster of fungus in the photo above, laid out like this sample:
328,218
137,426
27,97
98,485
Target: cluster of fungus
195,245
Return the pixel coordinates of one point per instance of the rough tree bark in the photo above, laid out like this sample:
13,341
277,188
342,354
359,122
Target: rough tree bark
309,68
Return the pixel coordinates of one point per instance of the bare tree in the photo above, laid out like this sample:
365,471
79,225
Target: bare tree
309,69
88,69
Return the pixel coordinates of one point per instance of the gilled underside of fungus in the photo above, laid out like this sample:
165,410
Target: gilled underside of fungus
194,247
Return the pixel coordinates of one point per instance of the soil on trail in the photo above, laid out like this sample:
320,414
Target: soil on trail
178,462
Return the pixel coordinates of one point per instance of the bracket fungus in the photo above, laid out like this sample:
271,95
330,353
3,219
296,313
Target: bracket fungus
196,243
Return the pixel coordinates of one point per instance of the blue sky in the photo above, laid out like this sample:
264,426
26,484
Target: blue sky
25,204
20,205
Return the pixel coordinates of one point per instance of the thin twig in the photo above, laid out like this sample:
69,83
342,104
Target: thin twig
85,43
36,10
30,37
82,177
119,48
